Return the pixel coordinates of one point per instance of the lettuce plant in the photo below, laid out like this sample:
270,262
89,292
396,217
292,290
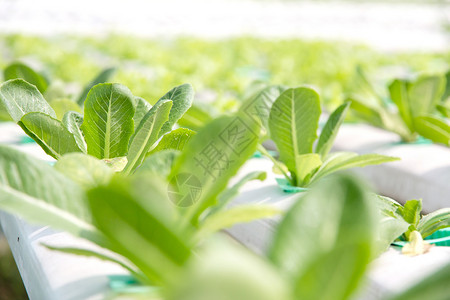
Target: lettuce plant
293,122
407,223
410,111
411,213
166,228
116,126
54,91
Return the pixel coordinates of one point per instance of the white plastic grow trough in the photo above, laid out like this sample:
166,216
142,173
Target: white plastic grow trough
47,274
12,135
53,275
423,171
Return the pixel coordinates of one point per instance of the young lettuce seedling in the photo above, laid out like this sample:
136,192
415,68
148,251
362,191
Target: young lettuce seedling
411,110
419,226
117,126
293,123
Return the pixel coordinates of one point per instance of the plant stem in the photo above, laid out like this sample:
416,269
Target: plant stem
275,162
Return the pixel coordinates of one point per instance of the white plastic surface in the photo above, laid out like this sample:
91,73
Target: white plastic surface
423,171
51,275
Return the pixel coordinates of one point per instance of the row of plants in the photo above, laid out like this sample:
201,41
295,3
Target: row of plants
223,71
148,63
129,182
416,106
416,99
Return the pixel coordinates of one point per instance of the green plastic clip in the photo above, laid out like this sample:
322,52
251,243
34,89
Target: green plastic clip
419,141
129,284
26,140
285,185
438,238
258,154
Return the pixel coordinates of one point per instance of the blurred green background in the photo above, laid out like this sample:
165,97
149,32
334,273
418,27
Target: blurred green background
220,70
